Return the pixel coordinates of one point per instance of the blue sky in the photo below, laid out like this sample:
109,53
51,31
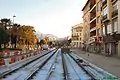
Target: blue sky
47,16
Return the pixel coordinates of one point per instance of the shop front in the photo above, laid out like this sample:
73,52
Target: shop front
109,45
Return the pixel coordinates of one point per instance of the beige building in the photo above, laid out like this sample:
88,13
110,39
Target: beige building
92,25
86,28
77,35
111,30
101,18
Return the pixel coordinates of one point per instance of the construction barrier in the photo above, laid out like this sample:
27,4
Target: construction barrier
9,57
2,62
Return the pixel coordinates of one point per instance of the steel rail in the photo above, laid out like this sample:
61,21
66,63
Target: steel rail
65,74
52,68
40,67
87,72
72,66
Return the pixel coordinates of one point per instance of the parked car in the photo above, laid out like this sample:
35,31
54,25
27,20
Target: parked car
45,47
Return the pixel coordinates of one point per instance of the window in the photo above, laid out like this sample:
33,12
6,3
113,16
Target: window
77,34
98,19
80,38
80,30
98,31
103,30
109,30
115,23
105,11
98,7
80,43
80,34
76,44
115,6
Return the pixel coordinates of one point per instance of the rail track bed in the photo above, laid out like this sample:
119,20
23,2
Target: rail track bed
58,65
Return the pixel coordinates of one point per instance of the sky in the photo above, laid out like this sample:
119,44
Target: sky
47,16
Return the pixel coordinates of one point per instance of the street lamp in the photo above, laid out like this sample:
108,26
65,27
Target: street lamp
11,28
13,19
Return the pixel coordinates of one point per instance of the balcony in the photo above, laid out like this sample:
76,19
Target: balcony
92,3
91,39
104,2
75,38
116,36
93,29
92,7
114,0
115,13
104,17
92,17
93,33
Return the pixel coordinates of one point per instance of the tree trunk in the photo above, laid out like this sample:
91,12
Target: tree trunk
15,45
4,45
0,46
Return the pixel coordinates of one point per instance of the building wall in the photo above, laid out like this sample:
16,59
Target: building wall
86,28
102,18
118,48
77,35
111,31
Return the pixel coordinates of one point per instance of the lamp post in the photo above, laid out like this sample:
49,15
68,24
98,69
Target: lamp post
13,19
11,31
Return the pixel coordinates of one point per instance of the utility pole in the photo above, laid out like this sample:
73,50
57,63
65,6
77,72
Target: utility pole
11,31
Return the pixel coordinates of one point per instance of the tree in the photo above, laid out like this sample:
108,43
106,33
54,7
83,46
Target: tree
4,37
46,39
6,26
6,22
15,34
27,35
50,43
42,41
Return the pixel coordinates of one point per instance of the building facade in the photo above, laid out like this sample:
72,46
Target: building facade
86,28
111,28
102,18
92,14
77,36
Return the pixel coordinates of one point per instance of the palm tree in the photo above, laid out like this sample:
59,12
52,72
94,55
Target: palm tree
5,23
15,34
4,37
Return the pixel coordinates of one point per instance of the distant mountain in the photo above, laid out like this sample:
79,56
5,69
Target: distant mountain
41,36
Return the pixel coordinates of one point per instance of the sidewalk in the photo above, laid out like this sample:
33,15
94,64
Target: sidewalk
110,64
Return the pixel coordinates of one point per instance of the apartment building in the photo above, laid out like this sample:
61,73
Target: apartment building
102,18
86,28
77,36
111,30
93,24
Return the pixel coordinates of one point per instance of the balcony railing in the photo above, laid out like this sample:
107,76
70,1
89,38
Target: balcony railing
105,17
91,6
93,33
93,29
104,2
115,13
114,0
92,17
75,36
